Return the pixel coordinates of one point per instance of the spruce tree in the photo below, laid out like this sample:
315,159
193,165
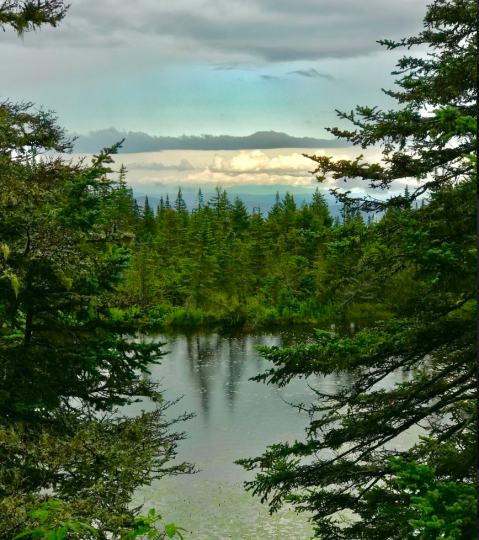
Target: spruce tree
239,216
161,206
199,200
221,208
180,205
148,223
220,204
319,207
428,257
66,359
202,263
277,208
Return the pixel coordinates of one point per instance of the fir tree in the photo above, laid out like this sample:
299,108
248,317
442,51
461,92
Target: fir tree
277,208
432,335
239,216
65,361
148,222
221,207
161,205
199,200
320,210
180,205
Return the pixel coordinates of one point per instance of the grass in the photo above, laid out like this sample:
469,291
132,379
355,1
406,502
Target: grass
254,314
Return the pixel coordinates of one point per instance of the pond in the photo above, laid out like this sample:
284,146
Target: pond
235,418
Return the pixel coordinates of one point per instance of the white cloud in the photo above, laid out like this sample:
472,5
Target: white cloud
248,168
209,177
258,163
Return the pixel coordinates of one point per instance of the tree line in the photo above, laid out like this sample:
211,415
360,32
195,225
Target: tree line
219,263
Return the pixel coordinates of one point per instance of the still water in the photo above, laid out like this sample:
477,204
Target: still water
235,418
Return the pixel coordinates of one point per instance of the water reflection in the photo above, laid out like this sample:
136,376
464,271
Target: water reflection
236,418
218,359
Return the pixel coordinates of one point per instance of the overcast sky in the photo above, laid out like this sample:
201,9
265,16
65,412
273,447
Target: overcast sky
158,70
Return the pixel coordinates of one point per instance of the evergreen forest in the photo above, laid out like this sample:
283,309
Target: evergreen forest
86,272
220,264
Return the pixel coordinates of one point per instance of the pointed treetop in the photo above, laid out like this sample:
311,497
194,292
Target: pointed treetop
161,206
200,200
180,204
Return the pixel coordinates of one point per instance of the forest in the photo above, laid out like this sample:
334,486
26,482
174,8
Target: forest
85,272
219,264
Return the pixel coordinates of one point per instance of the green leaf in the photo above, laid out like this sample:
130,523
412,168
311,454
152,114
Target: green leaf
170,530
61,532
41,515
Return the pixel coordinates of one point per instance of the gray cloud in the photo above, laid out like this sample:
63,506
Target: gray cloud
229,32
311,74
233,67
184,165
137,141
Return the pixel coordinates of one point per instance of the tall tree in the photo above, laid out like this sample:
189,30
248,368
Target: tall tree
319,207
202,250
239,216
428,257
148,222
66,361
199,200
180,204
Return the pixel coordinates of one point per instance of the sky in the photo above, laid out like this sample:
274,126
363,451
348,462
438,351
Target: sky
211,91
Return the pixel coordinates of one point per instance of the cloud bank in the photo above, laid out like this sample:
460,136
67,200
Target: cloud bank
257,162
254,169
249,30
138,141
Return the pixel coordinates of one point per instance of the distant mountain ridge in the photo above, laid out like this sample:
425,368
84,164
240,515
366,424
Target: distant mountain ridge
138,141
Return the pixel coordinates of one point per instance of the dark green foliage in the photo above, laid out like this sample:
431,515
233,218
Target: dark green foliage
61,265
180,205
422,263
229,264
66,354
147,226
426,147
239,216
418,505
200,200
